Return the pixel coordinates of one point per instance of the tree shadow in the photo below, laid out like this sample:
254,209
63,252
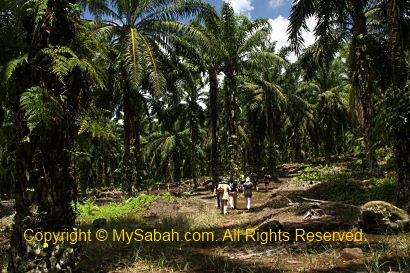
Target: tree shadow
212,256
104,257
395,263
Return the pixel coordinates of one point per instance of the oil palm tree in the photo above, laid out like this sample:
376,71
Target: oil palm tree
343,18
50,81
327,89
185,104
233,46
206,54
143,32
174,145
397,14
297,117
267,78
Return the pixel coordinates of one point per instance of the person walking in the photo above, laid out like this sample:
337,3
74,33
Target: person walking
223,191
247,192
234,192
240,183
215,186
266,180
255,179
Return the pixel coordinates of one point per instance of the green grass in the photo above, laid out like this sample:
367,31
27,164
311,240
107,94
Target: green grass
348,186
391,254
88,210
352,190
383,188
318,176
346,191
324,173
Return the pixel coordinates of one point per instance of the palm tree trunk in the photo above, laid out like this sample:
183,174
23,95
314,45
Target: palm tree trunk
362,81
328,141
269,116
193,164
399,77
194,139
107,181
297,147
100,173
137,148
255,147
126,160
228,123
177,160
44,193
231,111
213,122
44,188
84,177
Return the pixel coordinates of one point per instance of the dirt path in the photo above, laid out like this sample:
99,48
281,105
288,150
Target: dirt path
278,204
282,204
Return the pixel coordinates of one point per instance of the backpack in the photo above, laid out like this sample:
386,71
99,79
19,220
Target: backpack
233,185
247,189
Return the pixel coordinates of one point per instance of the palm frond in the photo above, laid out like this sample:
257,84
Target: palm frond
9,69
41,109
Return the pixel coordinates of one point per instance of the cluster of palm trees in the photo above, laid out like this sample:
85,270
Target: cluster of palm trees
138,96
377,33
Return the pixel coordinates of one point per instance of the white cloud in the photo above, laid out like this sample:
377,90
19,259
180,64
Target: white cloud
280,35
279,28
276,3
241,6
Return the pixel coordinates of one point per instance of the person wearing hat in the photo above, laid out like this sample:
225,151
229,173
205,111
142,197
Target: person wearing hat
247,192
223,192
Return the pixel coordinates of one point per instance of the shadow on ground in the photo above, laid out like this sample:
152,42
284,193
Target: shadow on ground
104,257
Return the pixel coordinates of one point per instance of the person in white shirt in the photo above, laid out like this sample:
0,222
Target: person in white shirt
223,191
247,192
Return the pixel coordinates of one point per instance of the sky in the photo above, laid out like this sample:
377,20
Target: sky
257,8
277,13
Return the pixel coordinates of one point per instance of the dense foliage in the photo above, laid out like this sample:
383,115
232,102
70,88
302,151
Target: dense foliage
138,97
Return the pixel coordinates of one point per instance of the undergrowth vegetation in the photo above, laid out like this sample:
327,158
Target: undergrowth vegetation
350,186
338,185
88,210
